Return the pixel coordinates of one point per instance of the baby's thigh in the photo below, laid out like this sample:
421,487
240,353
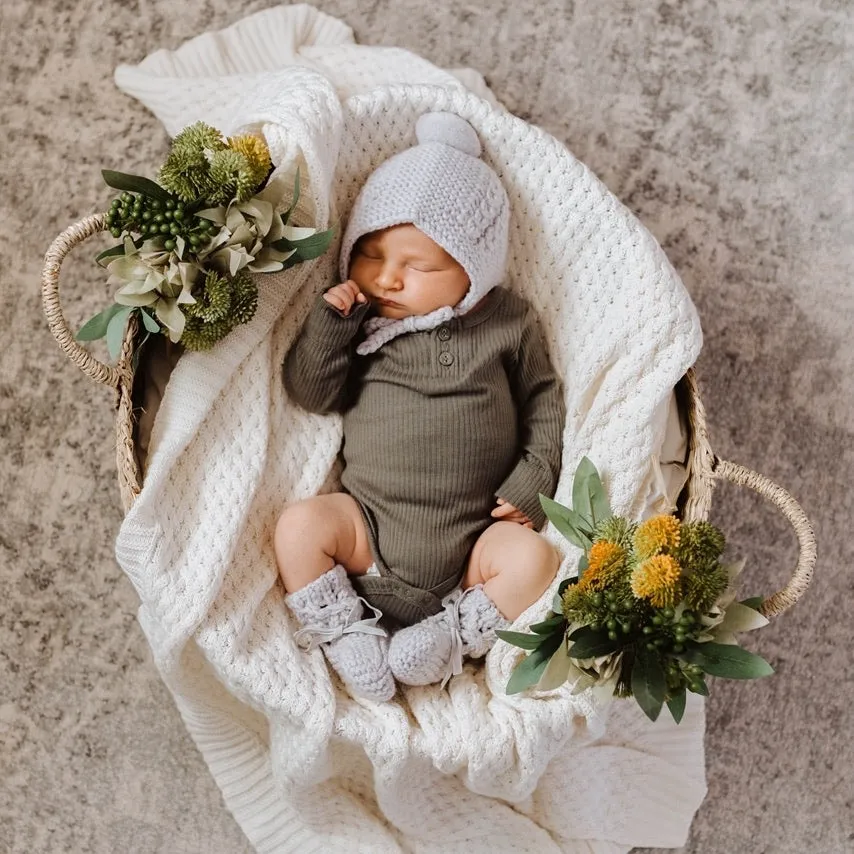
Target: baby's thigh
330,523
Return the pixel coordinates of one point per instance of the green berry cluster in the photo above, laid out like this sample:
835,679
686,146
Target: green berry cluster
614,614
680,675
139,214
667,634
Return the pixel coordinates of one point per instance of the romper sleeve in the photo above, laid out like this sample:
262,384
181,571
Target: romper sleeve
538,393
318,364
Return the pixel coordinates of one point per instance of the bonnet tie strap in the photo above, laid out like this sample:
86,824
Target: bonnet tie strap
312,634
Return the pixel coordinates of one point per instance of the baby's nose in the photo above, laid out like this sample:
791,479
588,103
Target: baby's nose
389,279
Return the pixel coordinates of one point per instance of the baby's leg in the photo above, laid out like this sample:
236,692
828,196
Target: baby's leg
314,535
318,542
514,564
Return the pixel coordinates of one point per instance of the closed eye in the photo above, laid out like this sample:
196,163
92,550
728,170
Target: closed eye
421,268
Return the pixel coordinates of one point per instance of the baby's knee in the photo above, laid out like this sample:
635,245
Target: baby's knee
509,548
297,519
545,559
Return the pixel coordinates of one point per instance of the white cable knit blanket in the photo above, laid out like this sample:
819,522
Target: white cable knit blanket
303,766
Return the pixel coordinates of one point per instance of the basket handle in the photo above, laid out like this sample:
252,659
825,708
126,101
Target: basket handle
798,583
53,259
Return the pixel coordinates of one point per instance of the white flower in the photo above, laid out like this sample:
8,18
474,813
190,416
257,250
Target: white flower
155,278
247,230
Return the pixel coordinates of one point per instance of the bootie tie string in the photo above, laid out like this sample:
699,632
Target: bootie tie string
315,633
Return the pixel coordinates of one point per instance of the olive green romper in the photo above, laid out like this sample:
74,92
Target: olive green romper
437,425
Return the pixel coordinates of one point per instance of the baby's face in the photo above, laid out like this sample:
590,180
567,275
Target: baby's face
403,272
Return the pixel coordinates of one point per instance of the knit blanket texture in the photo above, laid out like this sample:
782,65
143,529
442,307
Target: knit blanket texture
302,765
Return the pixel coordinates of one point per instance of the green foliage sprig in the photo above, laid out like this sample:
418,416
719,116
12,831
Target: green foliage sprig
652,612
190,242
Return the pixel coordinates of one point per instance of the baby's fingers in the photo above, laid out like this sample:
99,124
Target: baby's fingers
503,510
335,299
354,290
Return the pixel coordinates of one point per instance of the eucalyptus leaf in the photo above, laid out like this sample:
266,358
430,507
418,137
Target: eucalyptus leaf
521,639
550,645
589,644
558,670
536,663
116,330
567,522
727,661
149,322
115,252
583,564
307,248
547,626
135,184
314,246
580,493
589,498
96,327
648,682
526,674
676,704
741,618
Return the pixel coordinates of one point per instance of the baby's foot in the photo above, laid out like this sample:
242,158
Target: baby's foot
330,614
432,650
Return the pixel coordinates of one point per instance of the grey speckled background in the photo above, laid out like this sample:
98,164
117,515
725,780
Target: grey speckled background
726,127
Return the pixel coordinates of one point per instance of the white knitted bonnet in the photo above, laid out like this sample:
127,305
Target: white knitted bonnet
443,188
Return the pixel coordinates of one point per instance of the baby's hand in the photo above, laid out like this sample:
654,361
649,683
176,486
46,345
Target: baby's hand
506,512
344,295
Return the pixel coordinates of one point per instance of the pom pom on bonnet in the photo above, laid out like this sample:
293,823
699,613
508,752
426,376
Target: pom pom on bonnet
443,188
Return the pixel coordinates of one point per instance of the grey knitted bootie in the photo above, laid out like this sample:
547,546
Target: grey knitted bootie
330,615
432,650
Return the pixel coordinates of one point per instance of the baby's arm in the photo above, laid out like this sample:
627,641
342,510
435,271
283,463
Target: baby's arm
538,394
317,365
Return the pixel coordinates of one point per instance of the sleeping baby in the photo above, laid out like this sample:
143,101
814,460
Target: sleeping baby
452,419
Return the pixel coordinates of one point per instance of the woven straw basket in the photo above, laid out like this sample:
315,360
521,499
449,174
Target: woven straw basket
704,468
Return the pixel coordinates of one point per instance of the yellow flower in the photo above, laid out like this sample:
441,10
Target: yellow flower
655,535
605,560
255,150
657,579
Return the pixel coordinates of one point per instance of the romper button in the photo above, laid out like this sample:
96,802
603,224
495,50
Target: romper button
444,333
446,359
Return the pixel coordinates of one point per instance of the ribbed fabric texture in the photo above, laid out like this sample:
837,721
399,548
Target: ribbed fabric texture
437,426
302,765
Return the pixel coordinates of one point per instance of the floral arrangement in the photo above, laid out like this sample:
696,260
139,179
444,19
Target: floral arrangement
652,612
190,242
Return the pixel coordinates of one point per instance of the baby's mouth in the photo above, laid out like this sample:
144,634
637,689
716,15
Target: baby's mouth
389,302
